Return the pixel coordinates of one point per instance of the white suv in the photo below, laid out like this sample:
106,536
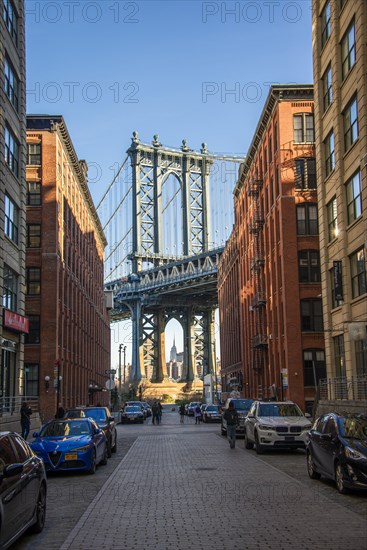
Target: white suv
276,425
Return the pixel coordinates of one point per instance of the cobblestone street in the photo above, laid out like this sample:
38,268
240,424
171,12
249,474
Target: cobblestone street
181,486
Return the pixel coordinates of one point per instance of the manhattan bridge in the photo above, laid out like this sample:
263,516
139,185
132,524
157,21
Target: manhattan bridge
167,214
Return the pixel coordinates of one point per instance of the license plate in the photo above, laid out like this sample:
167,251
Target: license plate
289,438
71,457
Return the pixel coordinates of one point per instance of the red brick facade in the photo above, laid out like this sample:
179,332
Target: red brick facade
269,274
69,341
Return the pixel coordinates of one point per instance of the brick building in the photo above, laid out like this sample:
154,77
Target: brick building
272,341
67,349
12,206
340,68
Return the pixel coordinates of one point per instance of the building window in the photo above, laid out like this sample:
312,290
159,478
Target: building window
307,223
33,236
33,193
325,24
10,288
332,219
270,149
309,266
348,50
336,301
11,84
339,358
329,154
11,151
358,273
33,336
311,315
350,117
11,218
31,376
34,154
303,128
361,357
11,20
327,88
354,197
305,173
33,280
314,367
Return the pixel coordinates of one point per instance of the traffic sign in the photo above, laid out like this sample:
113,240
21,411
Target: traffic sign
110,384
110,371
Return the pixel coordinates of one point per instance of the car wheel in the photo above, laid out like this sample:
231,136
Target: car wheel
258,448
339,479
114,448
248,444
92,469
104,459
311,467
109,450
38,526
223,431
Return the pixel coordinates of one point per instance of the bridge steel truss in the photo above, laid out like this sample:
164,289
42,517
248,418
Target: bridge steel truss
164,286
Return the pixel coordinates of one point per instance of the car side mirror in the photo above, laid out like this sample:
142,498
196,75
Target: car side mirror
35,434
12,470
327,437
111,418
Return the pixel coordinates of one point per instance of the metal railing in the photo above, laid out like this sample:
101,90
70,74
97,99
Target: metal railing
10,406
353,388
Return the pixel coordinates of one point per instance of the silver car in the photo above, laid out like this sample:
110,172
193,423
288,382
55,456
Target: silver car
276,425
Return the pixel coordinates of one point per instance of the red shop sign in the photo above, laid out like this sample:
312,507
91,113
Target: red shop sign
16,322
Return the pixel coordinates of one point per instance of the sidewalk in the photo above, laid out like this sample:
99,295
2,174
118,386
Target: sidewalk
191,491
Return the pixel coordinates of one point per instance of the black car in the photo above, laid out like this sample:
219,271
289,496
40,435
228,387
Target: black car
74,413
106,422
132,414
23,489
337,449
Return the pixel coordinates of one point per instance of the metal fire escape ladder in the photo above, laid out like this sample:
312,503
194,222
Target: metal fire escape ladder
259,340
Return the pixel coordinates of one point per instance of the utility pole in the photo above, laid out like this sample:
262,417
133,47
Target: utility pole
120,348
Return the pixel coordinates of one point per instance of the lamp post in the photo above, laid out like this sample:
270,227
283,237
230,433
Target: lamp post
124,349
121,348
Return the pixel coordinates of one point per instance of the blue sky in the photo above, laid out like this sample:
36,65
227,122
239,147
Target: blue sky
182,69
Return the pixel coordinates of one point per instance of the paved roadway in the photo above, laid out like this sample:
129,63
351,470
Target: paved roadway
181,487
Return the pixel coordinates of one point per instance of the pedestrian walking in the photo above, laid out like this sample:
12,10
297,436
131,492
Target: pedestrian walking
231,417
25,419
155,413
197,414
182,413
160,411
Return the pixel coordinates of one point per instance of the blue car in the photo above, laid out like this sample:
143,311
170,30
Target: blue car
71,444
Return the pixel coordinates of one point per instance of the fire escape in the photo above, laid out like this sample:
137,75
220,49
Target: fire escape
259,342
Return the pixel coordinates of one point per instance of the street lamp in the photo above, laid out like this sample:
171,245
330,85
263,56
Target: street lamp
123,348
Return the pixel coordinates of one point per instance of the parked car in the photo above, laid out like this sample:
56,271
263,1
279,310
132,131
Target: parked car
74,413
132,414
105,421
71,444
337,449
191,408
23,488
137,404
242,407
276,425
212,414
147,408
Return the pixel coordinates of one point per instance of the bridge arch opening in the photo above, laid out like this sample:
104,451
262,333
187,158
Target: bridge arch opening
172,217
174,349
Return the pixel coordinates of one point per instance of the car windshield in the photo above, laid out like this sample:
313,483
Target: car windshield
132,409
242,404
65,429
354,427
279,409
99,415
74,414
211,408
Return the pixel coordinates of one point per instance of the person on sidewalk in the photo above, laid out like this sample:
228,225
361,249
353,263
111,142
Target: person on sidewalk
182,413
60,413
231,417
160,411
197,414
25,419
155,413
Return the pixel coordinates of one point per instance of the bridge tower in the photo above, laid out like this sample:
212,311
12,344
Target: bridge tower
154,168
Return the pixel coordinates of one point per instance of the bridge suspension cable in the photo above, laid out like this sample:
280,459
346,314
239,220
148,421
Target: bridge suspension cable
118,244
113,181
117,208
